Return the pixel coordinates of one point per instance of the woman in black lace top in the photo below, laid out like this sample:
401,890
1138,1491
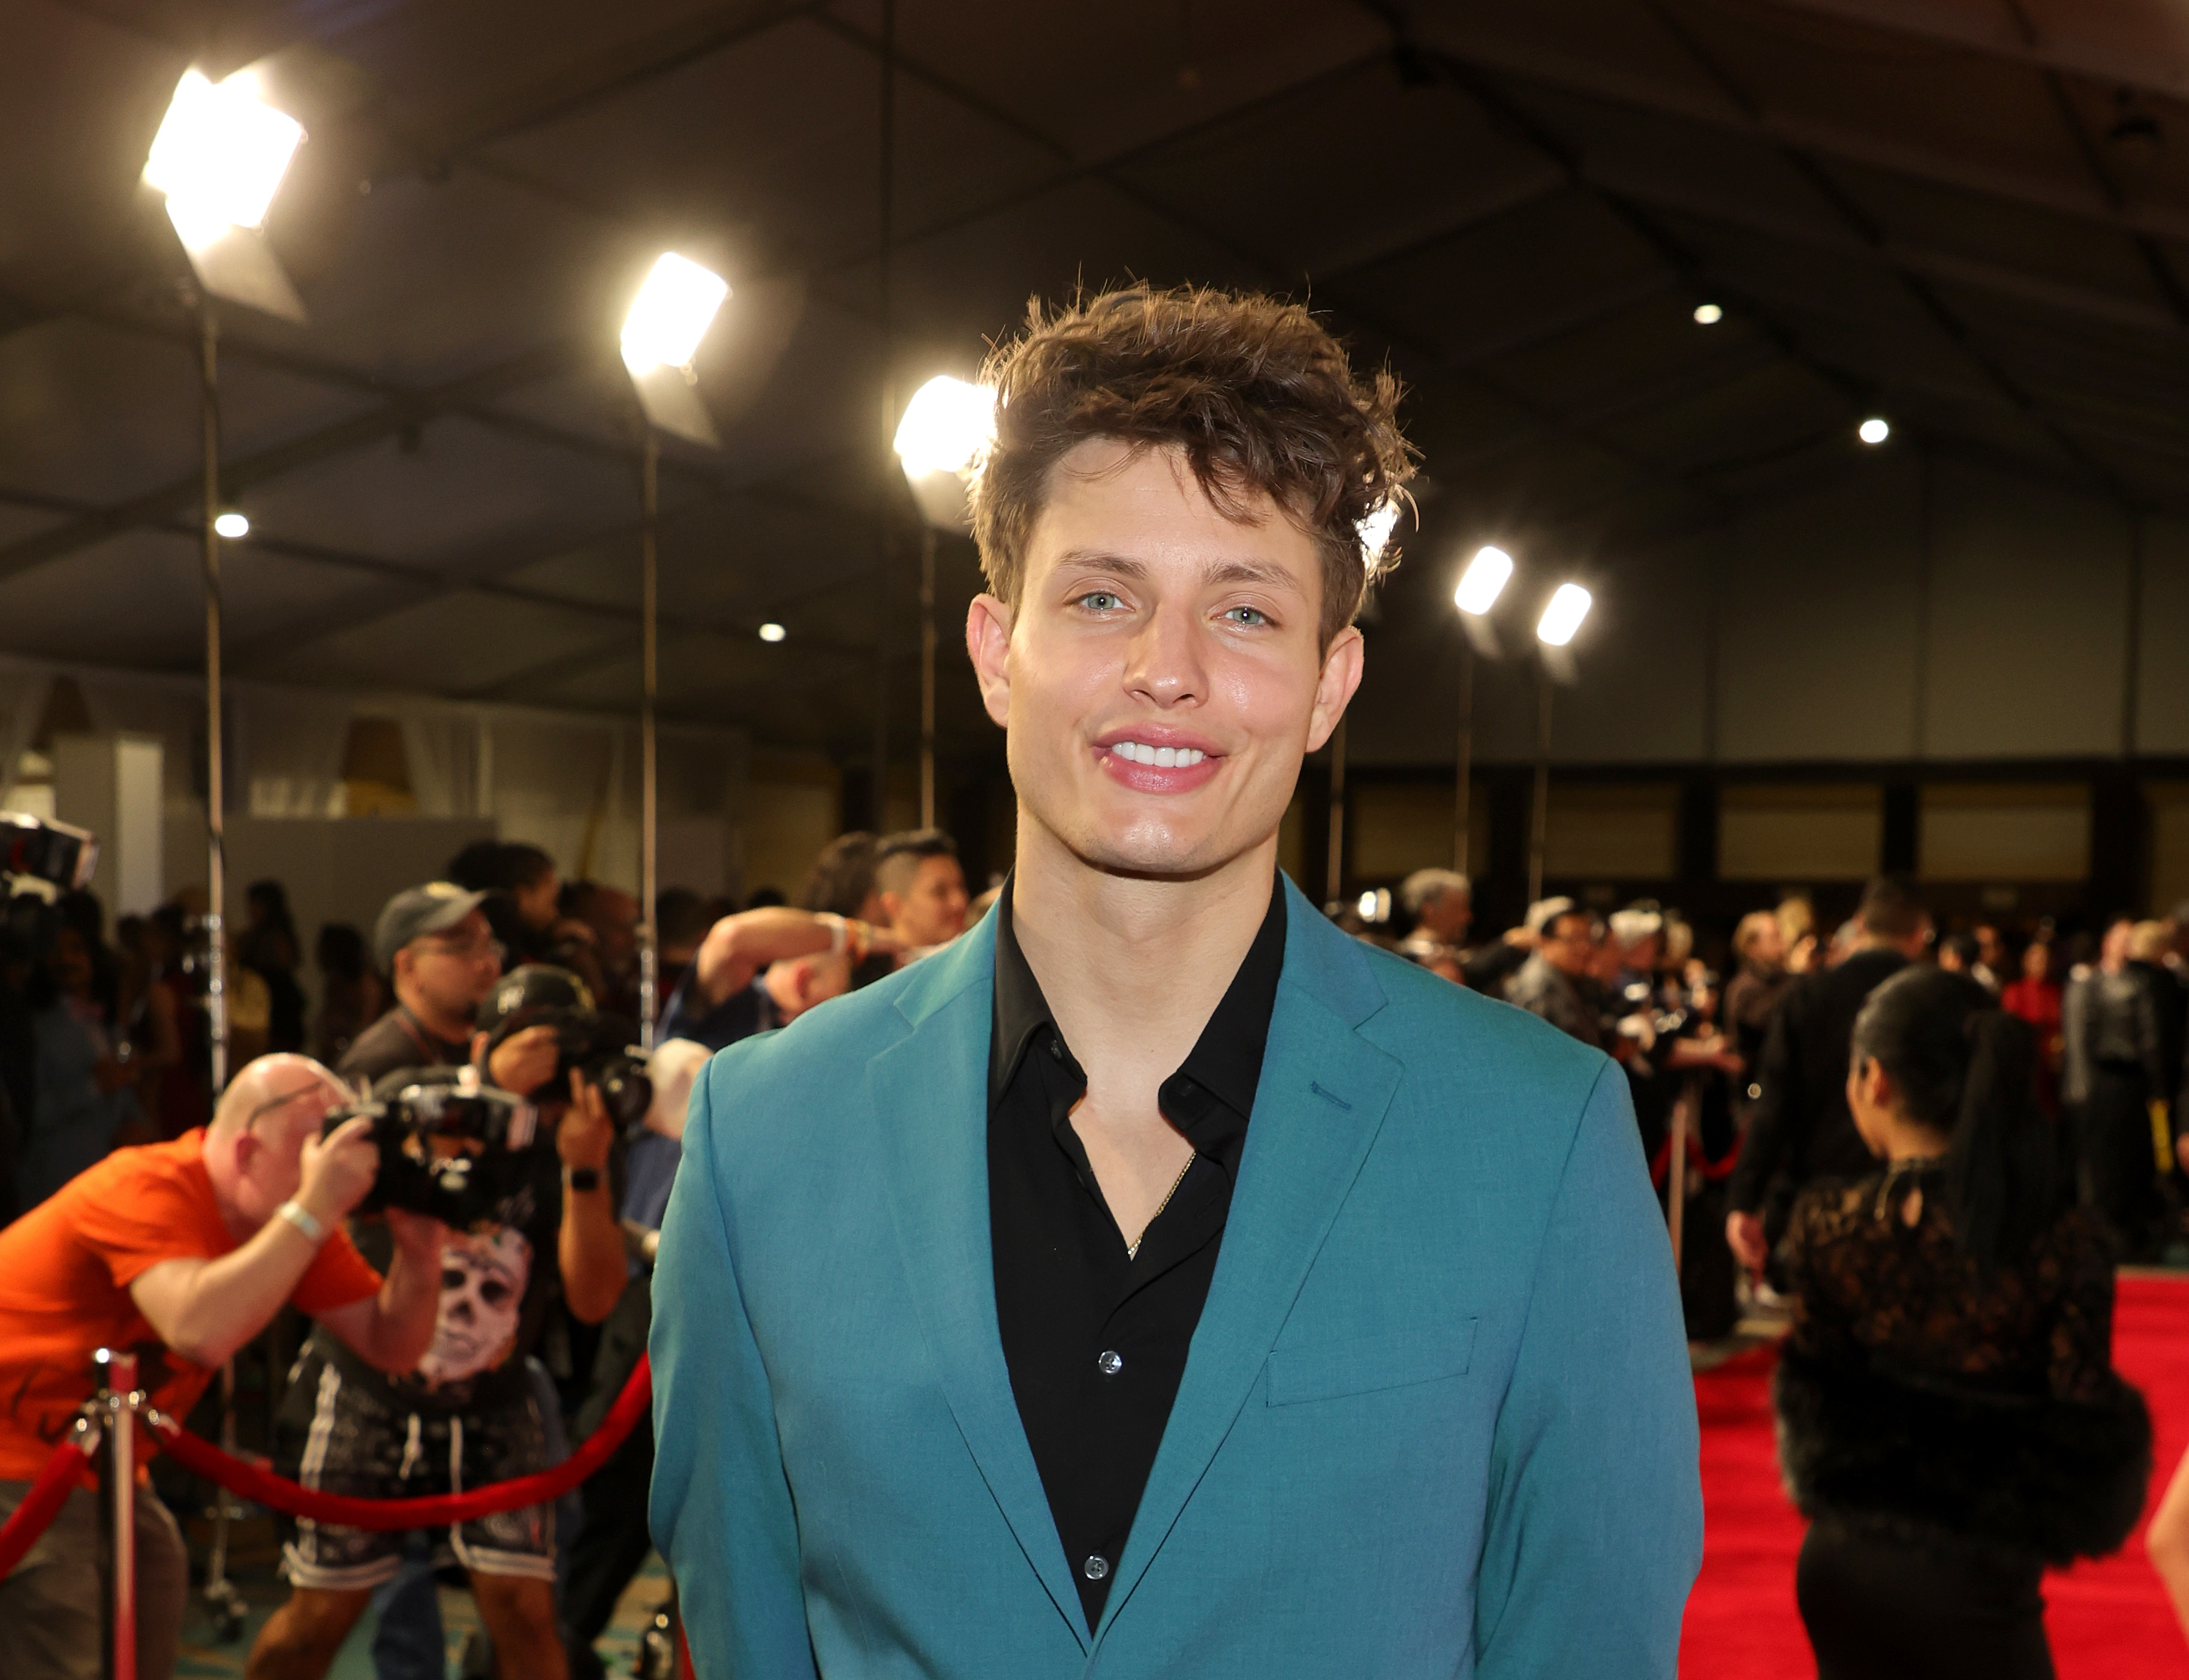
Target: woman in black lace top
1948,1414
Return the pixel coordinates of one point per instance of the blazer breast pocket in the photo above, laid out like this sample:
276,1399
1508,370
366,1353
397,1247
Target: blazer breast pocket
1367,1363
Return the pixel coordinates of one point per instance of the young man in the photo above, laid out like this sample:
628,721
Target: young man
191,1247
922,887
1157,1282
465,1414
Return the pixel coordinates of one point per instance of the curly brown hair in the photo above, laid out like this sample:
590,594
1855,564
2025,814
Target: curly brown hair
1253,391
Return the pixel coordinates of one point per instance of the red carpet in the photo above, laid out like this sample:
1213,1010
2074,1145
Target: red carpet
2108,1621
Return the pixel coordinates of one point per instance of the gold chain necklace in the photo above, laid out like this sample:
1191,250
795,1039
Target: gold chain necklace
1133,1249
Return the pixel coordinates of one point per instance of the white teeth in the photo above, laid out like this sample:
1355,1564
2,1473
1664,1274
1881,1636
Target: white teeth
1164,758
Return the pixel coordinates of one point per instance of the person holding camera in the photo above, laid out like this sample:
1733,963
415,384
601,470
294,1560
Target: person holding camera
434,943
466,1416
183,1251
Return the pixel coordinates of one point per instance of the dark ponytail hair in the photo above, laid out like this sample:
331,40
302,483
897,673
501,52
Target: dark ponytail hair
1966,1068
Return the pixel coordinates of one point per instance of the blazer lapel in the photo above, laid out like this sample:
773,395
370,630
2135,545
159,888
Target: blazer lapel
1321,1099
930,1092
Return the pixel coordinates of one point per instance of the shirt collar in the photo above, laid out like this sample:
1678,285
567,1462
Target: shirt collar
1227,1060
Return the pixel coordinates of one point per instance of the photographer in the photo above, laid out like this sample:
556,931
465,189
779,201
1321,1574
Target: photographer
434,943
196,1245
466,1415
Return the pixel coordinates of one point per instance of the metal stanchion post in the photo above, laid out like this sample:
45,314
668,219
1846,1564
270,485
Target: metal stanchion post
117,1479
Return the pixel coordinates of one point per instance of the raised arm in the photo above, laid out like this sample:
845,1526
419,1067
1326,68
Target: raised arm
1595,1525
737,947
205,1310
720,1509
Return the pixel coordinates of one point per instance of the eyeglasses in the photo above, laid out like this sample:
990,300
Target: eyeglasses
470,951
287,1097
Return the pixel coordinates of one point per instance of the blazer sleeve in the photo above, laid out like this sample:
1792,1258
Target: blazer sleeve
721,1508
1595,1526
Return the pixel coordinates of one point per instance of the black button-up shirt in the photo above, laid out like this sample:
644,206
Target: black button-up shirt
1096,1339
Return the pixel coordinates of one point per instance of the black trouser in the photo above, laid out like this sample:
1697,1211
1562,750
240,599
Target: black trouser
1878,1606
2119,1169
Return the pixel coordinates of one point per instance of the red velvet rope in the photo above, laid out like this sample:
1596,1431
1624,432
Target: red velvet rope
240,1477
66,1469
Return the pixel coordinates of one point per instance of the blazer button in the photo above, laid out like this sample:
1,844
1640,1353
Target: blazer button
1096,1567
1109,1362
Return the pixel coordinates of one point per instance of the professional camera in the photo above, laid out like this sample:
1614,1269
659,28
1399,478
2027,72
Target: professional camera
32,849
602,1047
449,1146
39,860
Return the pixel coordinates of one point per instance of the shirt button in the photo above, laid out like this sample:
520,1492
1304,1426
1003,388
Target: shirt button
1096,1568
1056,1048
1109,1362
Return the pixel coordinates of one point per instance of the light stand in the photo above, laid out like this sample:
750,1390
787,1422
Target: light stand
661,334
1479,586
946,428
649,887
1540,822
219,157
1555,630
216,825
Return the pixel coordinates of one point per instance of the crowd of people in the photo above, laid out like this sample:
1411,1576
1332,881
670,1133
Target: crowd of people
474,977
492,1343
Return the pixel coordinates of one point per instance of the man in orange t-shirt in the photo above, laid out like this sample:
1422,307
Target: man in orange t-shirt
183,1251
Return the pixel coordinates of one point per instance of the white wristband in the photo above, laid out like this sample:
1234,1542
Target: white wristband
839,932
296,1214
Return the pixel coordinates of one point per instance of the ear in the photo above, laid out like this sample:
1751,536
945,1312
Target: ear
1333,689
988,643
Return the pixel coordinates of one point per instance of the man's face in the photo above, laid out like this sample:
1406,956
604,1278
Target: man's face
452,970
269,1165
1569,943
1446,916
931,909
1160,676
535,901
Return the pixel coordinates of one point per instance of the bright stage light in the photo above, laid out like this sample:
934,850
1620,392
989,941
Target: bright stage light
1483,581
220,154
772,633
232,525
1562,617
946,425
1708,314
671,314
1873,430
1376,530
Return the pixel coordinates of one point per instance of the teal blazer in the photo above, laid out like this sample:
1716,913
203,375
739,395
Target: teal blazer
1436,1419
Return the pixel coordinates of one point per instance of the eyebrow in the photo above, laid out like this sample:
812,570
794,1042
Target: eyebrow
1227,571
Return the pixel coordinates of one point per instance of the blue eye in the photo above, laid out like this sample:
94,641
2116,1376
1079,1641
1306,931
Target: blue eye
1102,600
1247,615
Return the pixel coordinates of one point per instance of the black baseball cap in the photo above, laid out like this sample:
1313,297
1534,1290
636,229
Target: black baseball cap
417,911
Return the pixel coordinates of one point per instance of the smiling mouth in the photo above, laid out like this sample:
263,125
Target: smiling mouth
1163,758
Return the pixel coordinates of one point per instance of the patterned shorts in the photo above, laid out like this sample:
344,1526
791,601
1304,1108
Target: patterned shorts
341,1435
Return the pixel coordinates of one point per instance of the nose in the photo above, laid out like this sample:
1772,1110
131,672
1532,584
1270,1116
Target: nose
1165,662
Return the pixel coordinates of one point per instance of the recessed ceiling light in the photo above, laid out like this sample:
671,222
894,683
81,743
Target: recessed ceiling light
232,525
772,633
1872,430
1708,314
